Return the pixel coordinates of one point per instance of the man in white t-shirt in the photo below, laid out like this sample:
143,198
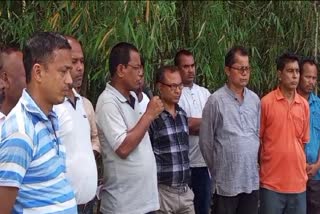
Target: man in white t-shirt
76,136
130,171
193,100
143,99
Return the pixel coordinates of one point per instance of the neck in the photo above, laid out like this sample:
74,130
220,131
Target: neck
139,95
71,96
188,84
288,94
170,107
78,89
303,94
7,106
125,92
238,91
39,99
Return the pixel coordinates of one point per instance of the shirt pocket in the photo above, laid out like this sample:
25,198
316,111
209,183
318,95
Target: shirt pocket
251,119
298,122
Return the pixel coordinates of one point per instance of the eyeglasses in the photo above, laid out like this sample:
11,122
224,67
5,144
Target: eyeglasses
136,67
242,69
173,87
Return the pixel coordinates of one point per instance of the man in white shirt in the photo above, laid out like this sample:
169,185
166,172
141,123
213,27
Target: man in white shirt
12,79
75,135
130,173
193,100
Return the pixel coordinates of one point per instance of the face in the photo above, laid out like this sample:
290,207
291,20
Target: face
171,87
239,73
14,76
132,73
77,63
55,78
188,69
289,76
308,78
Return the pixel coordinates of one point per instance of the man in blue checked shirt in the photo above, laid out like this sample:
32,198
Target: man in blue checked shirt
307,84
169,135
32,158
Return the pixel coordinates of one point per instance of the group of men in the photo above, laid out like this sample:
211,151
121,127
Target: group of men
168,153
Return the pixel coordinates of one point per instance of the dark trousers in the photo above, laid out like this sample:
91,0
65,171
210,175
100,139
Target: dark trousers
87,208
242,203
313,197
282,203
202,189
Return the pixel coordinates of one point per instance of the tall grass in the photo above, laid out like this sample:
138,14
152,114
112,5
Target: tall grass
160,28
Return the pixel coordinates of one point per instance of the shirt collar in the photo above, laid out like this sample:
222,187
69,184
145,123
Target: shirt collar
231,93
279,95
117,94
312,98
30,106
165,114
2,116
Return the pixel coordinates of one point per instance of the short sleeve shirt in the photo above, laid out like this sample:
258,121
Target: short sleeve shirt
284,129
131,183
32,159
192,101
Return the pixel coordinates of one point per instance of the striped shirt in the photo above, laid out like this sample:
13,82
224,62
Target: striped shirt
229,141
33,160
170,142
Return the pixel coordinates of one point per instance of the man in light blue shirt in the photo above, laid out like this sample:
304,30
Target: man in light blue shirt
229,139
32,158
307,84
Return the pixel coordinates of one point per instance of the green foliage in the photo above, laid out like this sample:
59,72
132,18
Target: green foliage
160,28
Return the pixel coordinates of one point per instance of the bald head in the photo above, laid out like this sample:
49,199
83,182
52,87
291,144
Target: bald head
12,75
77,62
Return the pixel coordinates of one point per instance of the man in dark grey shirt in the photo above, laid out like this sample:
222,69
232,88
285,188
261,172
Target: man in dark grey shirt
229,139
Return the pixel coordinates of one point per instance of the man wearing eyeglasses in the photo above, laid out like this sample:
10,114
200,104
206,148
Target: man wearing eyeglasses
284,131
130,182
229,139
192,101
170,143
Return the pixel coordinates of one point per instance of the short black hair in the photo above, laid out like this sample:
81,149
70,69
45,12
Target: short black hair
40,49
120,54
229,59
7,50
285,58
165,68
179,54
308,59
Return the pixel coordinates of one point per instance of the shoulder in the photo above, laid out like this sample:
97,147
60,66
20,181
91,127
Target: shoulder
181,111
86,101
253,95
268,98
217,95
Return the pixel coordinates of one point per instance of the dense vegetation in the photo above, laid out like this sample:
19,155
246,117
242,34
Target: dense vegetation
160,28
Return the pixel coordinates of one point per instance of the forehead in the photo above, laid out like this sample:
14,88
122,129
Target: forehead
12,59
75,47
309,68
134,57
240,59
60,57
291,65
172,77
186,59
